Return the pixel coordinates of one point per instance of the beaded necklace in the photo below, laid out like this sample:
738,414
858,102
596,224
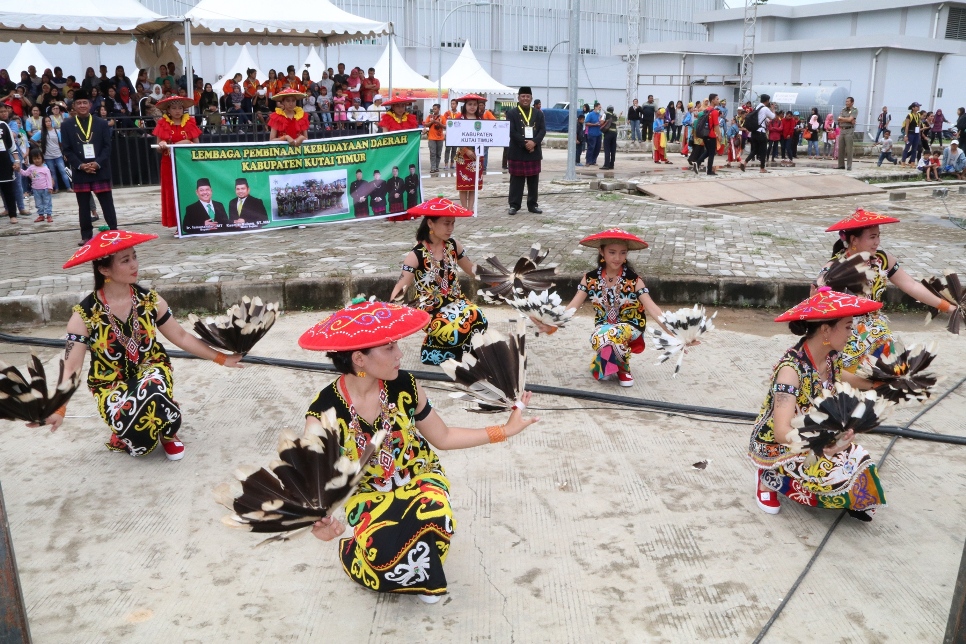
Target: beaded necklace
610,294
130,343
383,421
830,378
438,269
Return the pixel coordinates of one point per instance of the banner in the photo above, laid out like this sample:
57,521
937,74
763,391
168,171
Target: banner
248,187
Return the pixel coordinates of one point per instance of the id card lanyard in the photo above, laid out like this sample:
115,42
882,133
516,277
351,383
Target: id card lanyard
527,129
86,137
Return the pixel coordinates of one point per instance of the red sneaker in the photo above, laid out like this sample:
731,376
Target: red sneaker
625,378
173,448
767,499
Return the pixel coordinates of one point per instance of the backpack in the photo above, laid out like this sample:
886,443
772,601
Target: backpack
751,121
701,127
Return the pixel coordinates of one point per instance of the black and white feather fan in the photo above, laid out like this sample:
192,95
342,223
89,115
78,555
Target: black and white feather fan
244,324
850,274
832,415
525,277
309,481
493,373
901,376
688,325
27,398
544,307
951,290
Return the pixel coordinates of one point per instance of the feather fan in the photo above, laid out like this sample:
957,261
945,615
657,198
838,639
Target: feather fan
494,371
28,398
687,326
900,377
832,415
525,277
850,274
244,324
309,481
544,307
951,290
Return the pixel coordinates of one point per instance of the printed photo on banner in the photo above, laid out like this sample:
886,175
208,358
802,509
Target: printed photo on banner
248,187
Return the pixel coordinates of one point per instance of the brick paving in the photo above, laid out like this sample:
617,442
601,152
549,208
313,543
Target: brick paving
771,240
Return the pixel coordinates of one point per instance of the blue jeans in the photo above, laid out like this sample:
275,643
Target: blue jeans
43,201
878,133
593,149
886,156
58,172
813,146
635,130
912,148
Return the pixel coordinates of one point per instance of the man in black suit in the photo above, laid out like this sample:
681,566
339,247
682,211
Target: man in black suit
378,194
359,191
412,187
527,129
204,215
397,188
246,211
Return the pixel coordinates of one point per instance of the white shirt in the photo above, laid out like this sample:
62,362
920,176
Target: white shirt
764,115
358,113
376,112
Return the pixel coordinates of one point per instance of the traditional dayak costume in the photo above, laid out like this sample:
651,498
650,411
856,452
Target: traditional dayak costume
454,318
130,374
465,167
172,132
847,480
619,317
392,123
294,126
871,335
401,517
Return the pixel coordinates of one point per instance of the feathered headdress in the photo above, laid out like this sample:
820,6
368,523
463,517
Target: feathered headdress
494,371
243,325
27,398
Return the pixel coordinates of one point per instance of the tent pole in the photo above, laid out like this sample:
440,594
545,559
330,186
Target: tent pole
189,74
391,32
476,181
571,174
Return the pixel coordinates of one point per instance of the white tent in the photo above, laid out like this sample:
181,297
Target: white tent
405,80
314,64
242,64
467,75
28,55
77,21
256,21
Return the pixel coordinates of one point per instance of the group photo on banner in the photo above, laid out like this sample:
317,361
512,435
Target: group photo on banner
235,188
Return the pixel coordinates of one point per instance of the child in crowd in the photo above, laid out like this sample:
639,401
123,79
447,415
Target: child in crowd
885,154
923,165
339,108
733,134
775,137
42,183
324,106
660,138
581,137
933,164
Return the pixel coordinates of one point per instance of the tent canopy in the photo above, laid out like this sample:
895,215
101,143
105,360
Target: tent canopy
28,55
232,22
77,21
467,75
405,80
314,64
242,64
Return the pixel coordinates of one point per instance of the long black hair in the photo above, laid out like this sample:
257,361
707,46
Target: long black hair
99,279
422,233
342,360
845,239
479,114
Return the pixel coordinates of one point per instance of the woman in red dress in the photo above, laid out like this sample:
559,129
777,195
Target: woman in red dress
173,128
288,122
396,118
466,159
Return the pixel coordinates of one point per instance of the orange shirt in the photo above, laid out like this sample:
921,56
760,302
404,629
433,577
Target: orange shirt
295,83
250,88
272,86
227,87
437,131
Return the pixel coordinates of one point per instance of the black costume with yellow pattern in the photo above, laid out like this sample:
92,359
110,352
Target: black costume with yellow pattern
136,399
401,516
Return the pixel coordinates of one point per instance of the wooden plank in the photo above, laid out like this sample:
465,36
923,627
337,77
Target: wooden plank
13,614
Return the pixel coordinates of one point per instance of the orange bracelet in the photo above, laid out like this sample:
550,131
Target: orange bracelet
62,410
496,433
220,358
944,306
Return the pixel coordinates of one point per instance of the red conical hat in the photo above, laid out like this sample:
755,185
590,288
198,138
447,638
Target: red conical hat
364,325
614,235
171,100
288,92
435,207
827,304
861,219
398,100
106,243
471,97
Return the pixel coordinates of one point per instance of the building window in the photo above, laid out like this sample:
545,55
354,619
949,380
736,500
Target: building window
588,52
539,48
956,25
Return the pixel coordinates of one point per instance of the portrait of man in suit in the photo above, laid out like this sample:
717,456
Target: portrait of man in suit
359,192
246,211
412,187
378,194
204,215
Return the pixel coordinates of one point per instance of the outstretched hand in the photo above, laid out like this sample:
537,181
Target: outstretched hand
842,443
233,360
54,420
327,528
517,423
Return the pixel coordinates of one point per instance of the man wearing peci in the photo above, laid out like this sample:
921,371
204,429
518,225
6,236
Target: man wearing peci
204,215
359,191
527,129
378,194
397,191
412,187
246,211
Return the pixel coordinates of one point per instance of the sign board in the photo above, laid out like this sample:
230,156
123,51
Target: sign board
785,97
478,134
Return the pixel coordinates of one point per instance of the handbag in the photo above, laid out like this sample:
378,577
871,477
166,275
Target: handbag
807,135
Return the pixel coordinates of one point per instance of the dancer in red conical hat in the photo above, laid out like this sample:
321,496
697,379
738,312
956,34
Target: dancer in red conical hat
173,128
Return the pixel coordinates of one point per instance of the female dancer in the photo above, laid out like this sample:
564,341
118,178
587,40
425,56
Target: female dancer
396,118
288,122
621,304
401,517
173,128
845,476
466,160
431,265
859,233
130,374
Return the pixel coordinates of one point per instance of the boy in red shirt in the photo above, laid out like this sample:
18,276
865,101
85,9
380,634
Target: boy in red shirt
790,125
711,141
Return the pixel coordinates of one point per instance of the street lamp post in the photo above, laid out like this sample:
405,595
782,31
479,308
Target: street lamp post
439,44
549,56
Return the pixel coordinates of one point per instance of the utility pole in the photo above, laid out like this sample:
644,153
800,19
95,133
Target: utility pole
633,47
747,70
574,45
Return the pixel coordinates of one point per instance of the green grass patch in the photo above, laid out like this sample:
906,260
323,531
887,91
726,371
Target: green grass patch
609,196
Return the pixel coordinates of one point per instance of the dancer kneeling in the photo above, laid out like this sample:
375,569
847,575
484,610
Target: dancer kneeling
845,476
130,375
401,516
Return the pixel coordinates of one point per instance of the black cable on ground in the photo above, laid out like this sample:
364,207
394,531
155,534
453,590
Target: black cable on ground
838,520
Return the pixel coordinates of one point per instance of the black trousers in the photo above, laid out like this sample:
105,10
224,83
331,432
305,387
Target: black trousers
647,130
516,191
759,148
698,154
84,212
711,145
9,194
610,149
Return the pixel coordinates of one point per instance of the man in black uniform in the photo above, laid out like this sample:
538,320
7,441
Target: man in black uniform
397,187
647,119
378,193
412,187
246,211
359,191
527,129
204,215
